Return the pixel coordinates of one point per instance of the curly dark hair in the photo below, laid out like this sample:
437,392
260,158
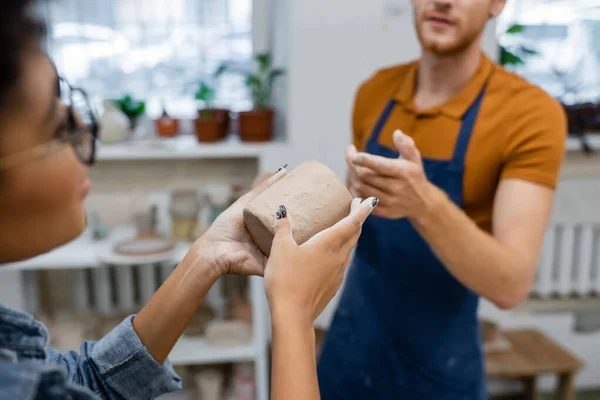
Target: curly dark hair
19,30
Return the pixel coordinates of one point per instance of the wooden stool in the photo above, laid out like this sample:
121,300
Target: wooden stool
533,354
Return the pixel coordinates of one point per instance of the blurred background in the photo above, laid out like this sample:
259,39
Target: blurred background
199,97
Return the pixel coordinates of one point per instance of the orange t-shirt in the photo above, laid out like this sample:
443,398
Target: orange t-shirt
520,131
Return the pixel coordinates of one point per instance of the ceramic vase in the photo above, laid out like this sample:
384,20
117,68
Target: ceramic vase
114,125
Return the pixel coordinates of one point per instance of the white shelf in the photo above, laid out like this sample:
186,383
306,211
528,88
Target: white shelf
182,147
84,252
186,147
196,351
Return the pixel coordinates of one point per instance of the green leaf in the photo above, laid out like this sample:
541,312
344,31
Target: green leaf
528,51
276,73
138,108
253,82
515,28
130,107
508,58
264,62
206,94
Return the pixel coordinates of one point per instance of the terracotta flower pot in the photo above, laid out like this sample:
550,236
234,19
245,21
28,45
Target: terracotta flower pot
209,127
167,127
257,125
223,114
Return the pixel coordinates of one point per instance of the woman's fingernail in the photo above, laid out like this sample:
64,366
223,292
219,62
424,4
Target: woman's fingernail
375,202
281,212
282,168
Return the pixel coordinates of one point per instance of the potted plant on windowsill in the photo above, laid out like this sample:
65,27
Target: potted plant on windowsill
210,122
133,109
167,126
256,125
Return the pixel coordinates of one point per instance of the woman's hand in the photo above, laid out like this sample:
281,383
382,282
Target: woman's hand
225,249
302,280
227,246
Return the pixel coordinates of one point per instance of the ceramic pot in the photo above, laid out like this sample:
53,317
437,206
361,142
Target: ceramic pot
223,115
315,197
167,127
257,125
209,127
114,124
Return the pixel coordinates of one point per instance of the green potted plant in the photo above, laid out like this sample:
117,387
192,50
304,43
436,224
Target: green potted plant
256,125
132,108
209,124
212,123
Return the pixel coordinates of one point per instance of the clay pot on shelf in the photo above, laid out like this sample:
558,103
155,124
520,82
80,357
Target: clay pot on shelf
167,126
257,125
209,126
223,115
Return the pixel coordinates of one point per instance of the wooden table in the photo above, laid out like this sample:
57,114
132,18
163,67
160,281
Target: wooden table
533,354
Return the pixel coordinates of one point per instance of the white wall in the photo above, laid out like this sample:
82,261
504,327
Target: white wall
333,45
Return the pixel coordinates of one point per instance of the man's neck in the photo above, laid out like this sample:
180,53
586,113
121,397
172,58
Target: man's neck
440,78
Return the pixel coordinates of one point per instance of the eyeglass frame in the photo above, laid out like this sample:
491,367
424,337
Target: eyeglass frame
44,149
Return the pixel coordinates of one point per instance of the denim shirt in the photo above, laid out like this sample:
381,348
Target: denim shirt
117,366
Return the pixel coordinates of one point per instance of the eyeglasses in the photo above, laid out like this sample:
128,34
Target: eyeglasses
82,131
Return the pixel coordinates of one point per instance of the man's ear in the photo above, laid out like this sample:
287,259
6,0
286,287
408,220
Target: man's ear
497,7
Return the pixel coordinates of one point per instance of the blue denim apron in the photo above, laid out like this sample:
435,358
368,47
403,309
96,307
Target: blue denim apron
405,328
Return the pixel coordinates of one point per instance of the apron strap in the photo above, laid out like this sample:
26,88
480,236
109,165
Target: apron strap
382,120
468,125
466,131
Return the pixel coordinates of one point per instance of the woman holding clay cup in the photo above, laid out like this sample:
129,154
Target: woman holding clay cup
300,282
47,142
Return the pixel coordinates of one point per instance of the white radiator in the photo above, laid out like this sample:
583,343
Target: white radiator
569,264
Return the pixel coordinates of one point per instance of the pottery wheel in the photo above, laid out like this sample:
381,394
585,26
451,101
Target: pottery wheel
144,247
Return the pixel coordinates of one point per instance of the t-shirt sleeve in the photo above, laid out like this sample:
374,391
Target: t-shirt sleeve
358,115
536,140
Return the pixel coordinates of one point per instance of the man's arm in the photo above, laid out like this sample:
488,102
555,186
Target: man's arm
499,267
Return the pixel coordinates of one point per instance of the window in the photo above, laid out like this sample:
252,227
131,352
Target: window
155,50
556,45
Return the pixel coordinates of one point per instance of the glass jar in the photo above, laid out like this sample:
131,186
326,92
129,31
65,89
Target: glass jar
184,214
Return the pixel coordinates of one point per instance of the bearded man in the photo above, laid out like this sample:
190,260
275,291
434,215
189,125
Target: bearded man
464,158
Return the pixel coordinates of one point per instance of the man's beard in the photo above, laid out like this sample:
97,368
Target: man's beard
442,48
447,48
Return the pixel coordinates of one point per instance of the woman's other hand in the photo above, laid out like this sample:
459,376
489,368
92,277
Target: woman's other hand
227,247
301,280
